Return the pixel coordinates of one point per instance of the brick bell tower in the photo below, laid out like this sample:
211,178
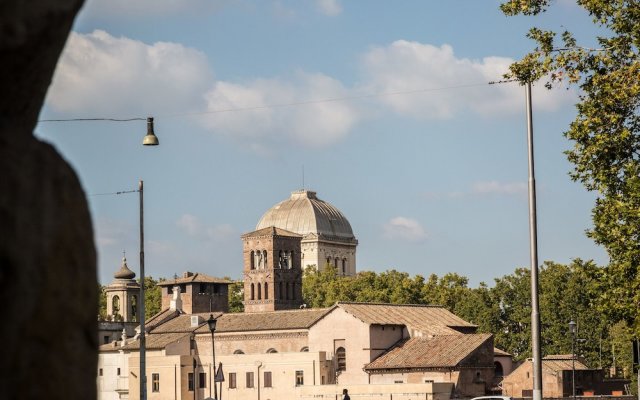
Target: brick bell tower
272,270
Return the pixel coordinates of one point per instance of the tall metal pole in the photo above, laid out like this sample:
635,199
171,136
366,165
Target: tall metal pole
533,236
215,386
143,372
573,366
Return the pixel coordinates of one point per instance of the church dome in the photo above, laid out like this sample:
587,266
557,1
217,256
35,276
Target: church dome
124,272
304,213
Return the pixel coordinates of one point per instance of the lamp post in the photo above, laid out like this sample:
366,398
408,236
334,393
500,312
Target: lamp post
212,327
572,329
533,249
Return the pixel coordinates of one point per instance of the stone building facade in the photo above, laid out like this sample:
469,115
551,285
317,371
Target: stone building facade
272,272
199,293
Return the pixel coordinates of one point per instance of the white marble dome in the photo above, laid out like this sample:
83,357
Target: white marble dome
304,213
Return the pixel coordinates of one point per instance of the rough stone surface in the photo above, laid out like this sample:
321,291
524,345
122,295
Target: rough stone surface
47,255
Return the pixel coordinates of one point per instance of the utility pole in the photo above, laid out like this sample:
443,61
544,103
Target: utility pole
533,247
143,372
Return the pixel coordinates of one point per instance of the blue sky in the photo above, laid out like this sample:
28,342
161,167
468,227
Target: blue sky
384,104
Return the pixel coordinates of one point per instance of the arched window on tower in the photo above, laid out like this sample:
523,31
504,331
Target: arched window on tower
259,292
290,260
335,262
264,255
115,305
134,308
344,266
253,260
281,258
252,292
266,291
341,359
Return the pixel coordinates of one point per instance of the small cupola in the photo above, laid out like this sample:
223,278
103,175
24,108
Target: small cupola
124,272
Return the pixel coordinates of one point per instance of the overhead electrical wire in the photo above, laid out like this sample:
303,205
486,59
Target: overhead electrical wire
283,105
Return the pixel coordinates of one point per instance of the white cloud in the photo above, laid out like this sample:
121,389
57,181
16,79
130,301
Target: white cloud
329,7
99,73
405,229
270,110
501,188
445,85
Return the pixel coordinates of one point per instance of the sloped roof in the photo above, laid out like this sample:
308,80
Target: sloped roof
271,320
160,318
430,320
182,323
196,277
158,341
561,362
447,351
271,230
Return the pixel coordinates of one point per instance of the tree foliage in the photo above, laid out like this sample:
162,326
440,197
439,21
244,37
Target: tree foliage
236,295
567,292
605,132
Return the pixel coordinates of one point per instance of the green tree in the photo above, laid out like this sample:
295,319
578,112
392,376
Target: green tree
152,296
605,132
236,296
102,303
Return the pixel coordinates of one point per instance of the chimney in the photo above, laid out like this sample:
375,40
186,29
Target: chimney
124,337
187,274
176,301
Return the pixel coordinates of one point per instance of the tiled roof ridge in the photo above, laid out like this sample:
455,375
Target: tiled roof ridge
388,304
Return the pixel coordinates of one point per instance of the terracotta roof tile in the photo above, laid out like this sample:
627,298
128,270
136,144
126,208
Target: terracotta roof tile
182,323
158,341
160,318
273,320
438,352
561,362
430,320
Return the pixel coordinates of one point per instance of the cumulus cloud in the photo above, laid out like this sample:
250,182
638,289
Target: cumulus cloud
329,7
405,229
101,73
501,188
405,66
274,110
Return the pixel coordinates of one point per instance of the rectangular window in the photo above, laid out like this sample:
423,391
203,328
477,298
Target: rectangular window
202,380
118,371
232,380
267,378
100,372
203,288
191,382
299,378
249,379
106,339
155,382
